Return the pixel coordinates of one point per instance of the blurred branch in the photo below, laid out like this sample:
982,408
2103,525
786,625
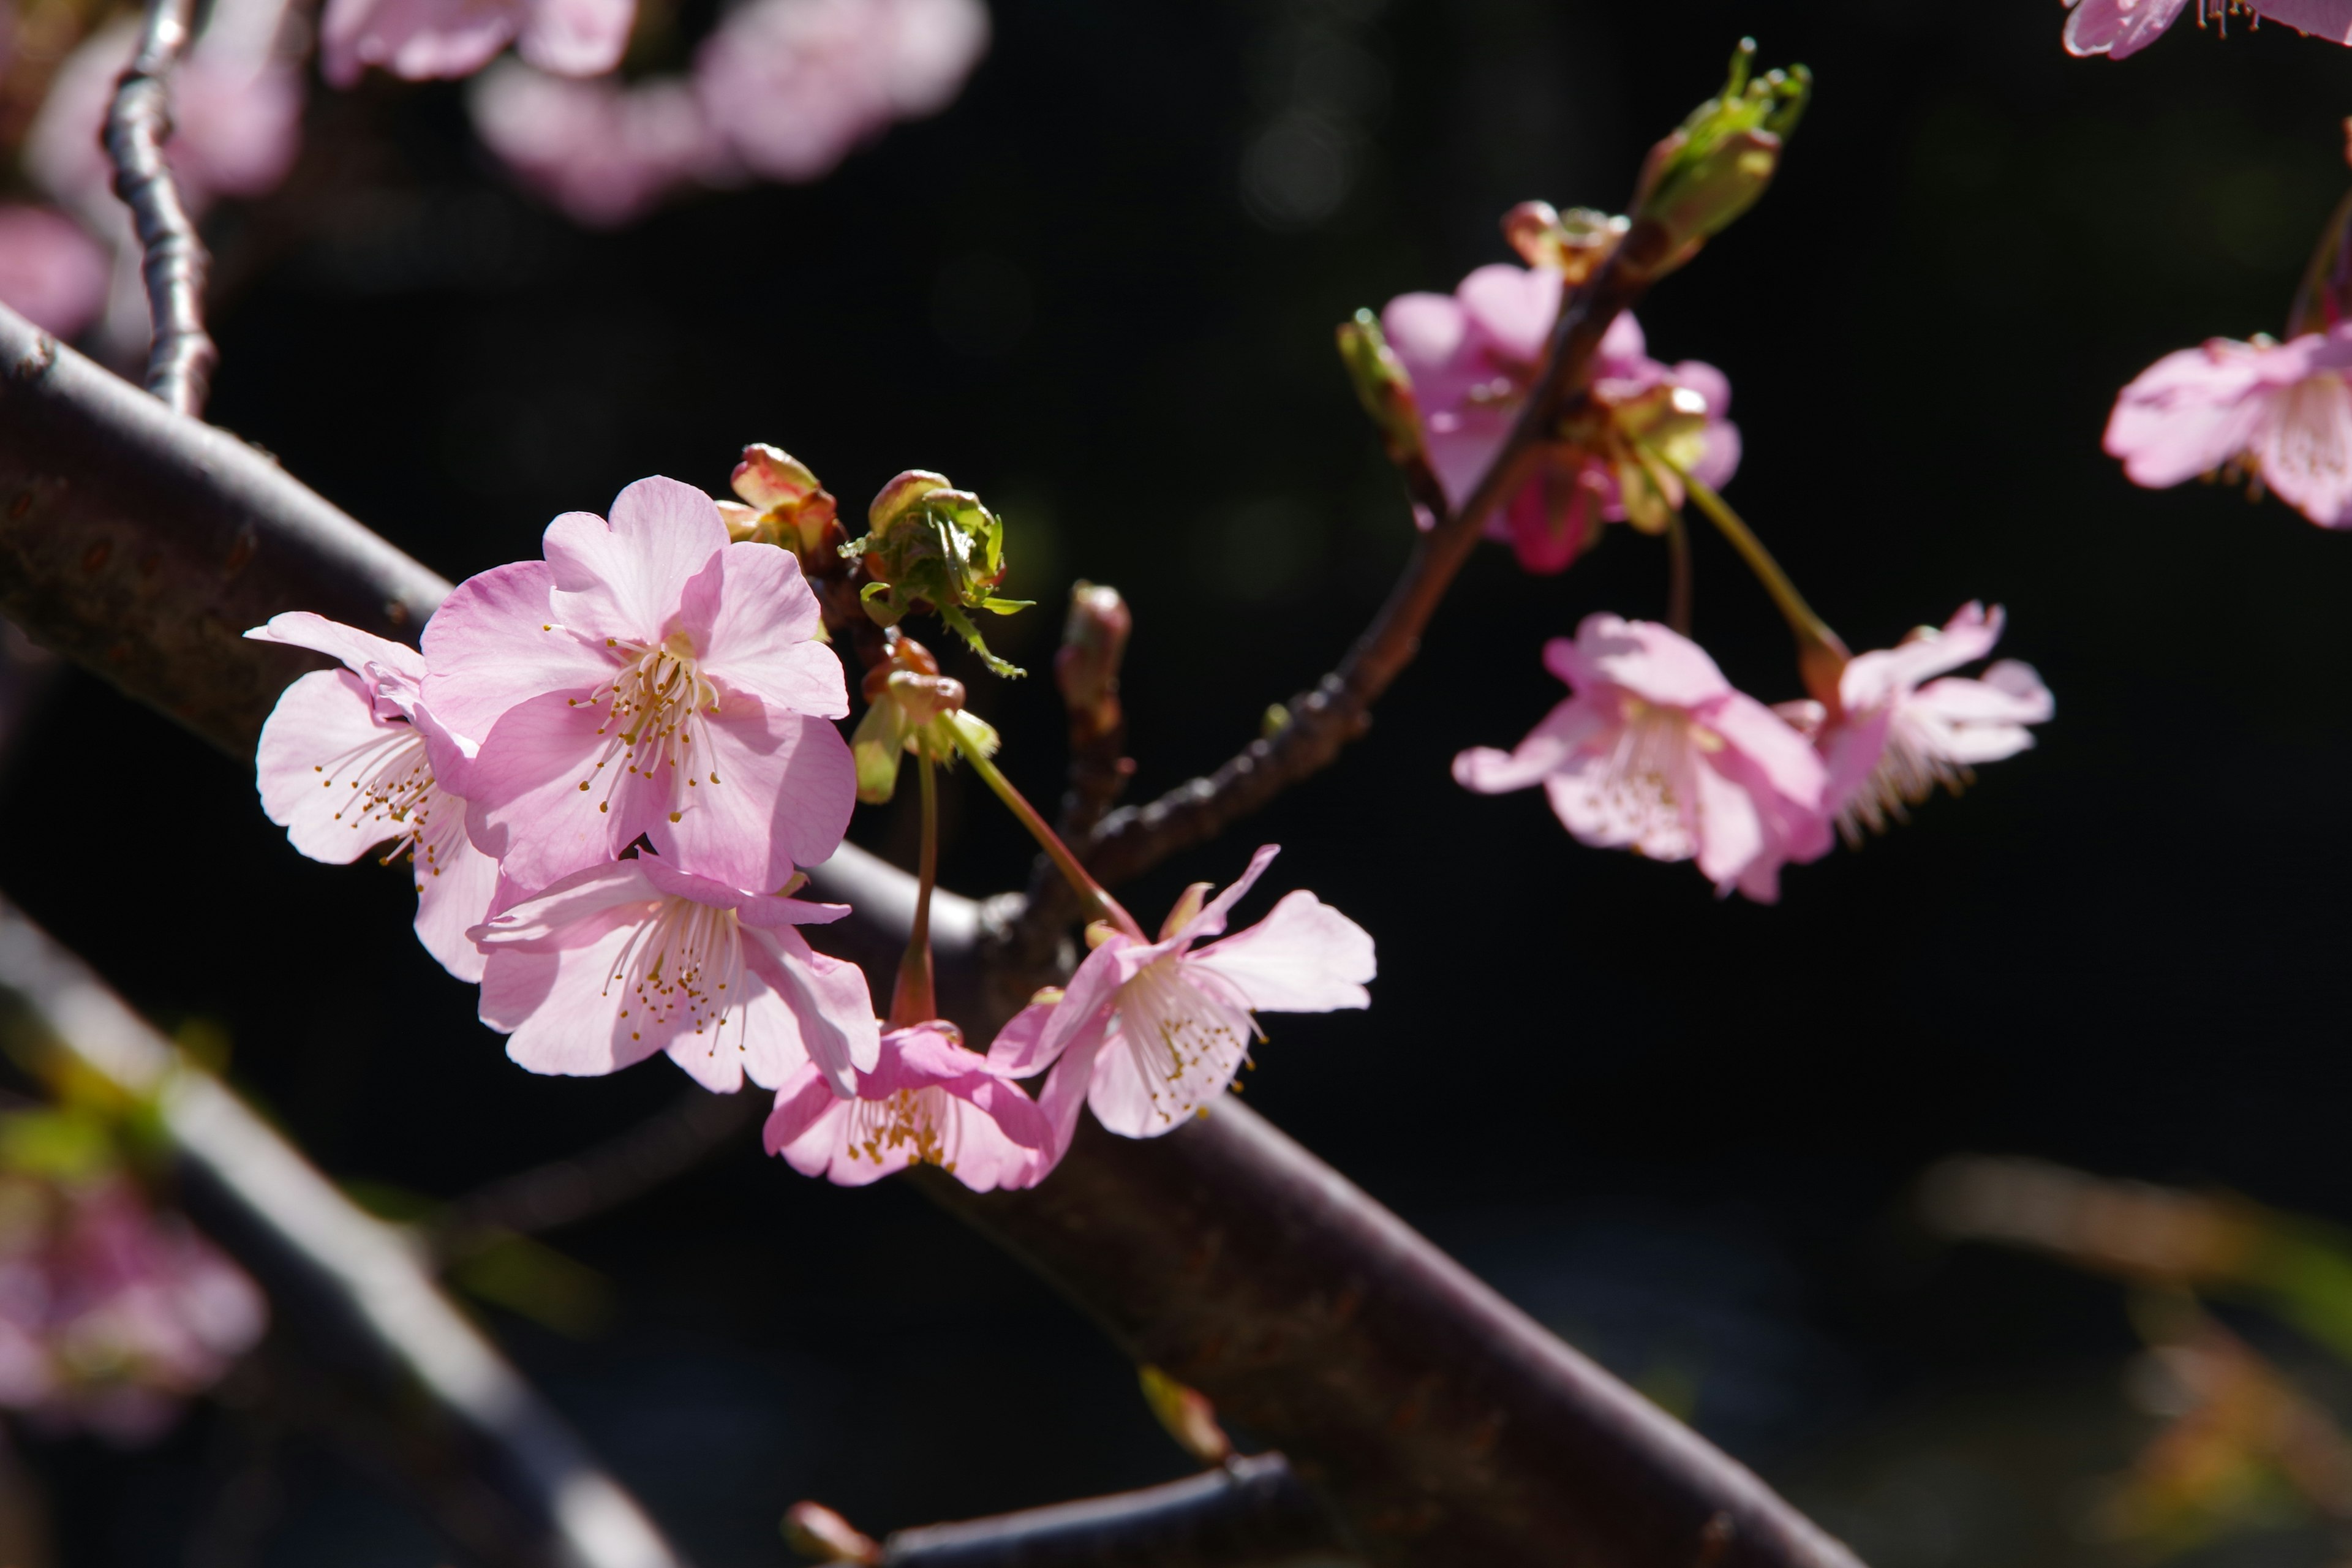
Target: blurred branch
602,1176
1251,1513
179,356
1444,1426
518,1488
1132,840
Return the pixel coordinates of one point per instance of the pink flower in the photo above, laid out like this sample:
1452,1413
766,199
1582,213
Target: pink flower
110,1315
926,1101
52,272
2119,27
604,153
1656,753
2279,411
648,678
620,960
1471,356
421,38
795,85
351,759
1149,1033
1895,741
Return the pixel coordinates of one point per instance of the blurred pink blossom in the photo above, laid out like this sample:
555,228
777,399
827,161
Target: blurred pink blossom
110,1313
1656,753
51,271
2280,412
1894,740
794,86
1149,1033
351,759
2117,29
928,1101
602,152
649,676
422,39
620,960
1472,355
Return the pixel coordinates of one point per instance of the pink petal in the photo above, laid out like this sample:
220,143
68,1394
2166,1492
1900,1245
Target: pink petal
774,791
627,580
831,1008
2328,19
494,644
2189,413
806,1124
321,748
1089,998
1512,308
1304,957
1547,749
1730,833
562,1010
2303,449
574,912
1761,739
1211,921
2117,28
51,271
756,633
356,648
1870,677
1651,661
576,38
1017,1049
1426,329
545,802
413,38
456,887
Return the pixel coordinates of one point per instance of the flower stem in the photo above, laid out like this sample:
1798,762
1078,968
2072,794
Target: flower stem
913,999
1678,575
1087,888
1820,656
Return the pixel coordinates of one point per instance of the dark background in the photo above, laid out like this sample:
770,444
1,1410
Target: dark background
1100,290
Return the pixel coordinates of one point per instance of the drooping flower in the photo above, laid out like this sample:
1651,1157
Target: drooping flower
52,272
424,38
2117,28
1894,741
1474,354
2279,412
352,759
926,1101
604,153
1149,1033
649,677
794,86
617,962
111,1314
1656,753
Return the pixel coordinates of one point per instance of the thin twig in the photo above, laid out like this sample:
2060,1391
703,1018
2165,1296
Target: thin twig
179,356
1251,1513
1132,840
352,1282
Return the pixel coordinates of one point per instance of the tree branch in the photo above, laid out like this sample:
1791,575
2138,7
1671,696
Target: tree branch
180,355
1133,839
534,1497
1252,1513
1445,1426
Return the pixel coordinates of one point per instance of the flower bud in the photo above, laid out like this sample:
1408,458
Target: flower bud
1382,387
903,696
1714,167
930,546
1187,1415
1094,641
783,504
1573,244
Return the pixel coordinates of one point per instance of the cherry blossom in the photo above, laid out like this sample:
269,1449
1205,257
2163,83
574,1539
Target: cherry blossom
1149,1033
617,962
351,759
110,1315
1471,356
1894,740
422,39
926,1101
648,678
795,86
2280,411
2117,29
604,153
1655,753
52,272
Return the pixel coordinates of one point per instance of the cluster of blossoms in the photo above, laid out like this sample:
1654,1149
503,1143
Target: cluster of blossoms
781,89
607,769
110,1313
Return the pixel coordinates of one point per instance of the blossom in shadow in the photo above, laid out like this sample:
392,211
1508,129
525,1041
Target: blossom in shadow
1149,1033
1656,753
351,760
926,1101
615,963
424,38
51,271
648,678
2280,412
1472,356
